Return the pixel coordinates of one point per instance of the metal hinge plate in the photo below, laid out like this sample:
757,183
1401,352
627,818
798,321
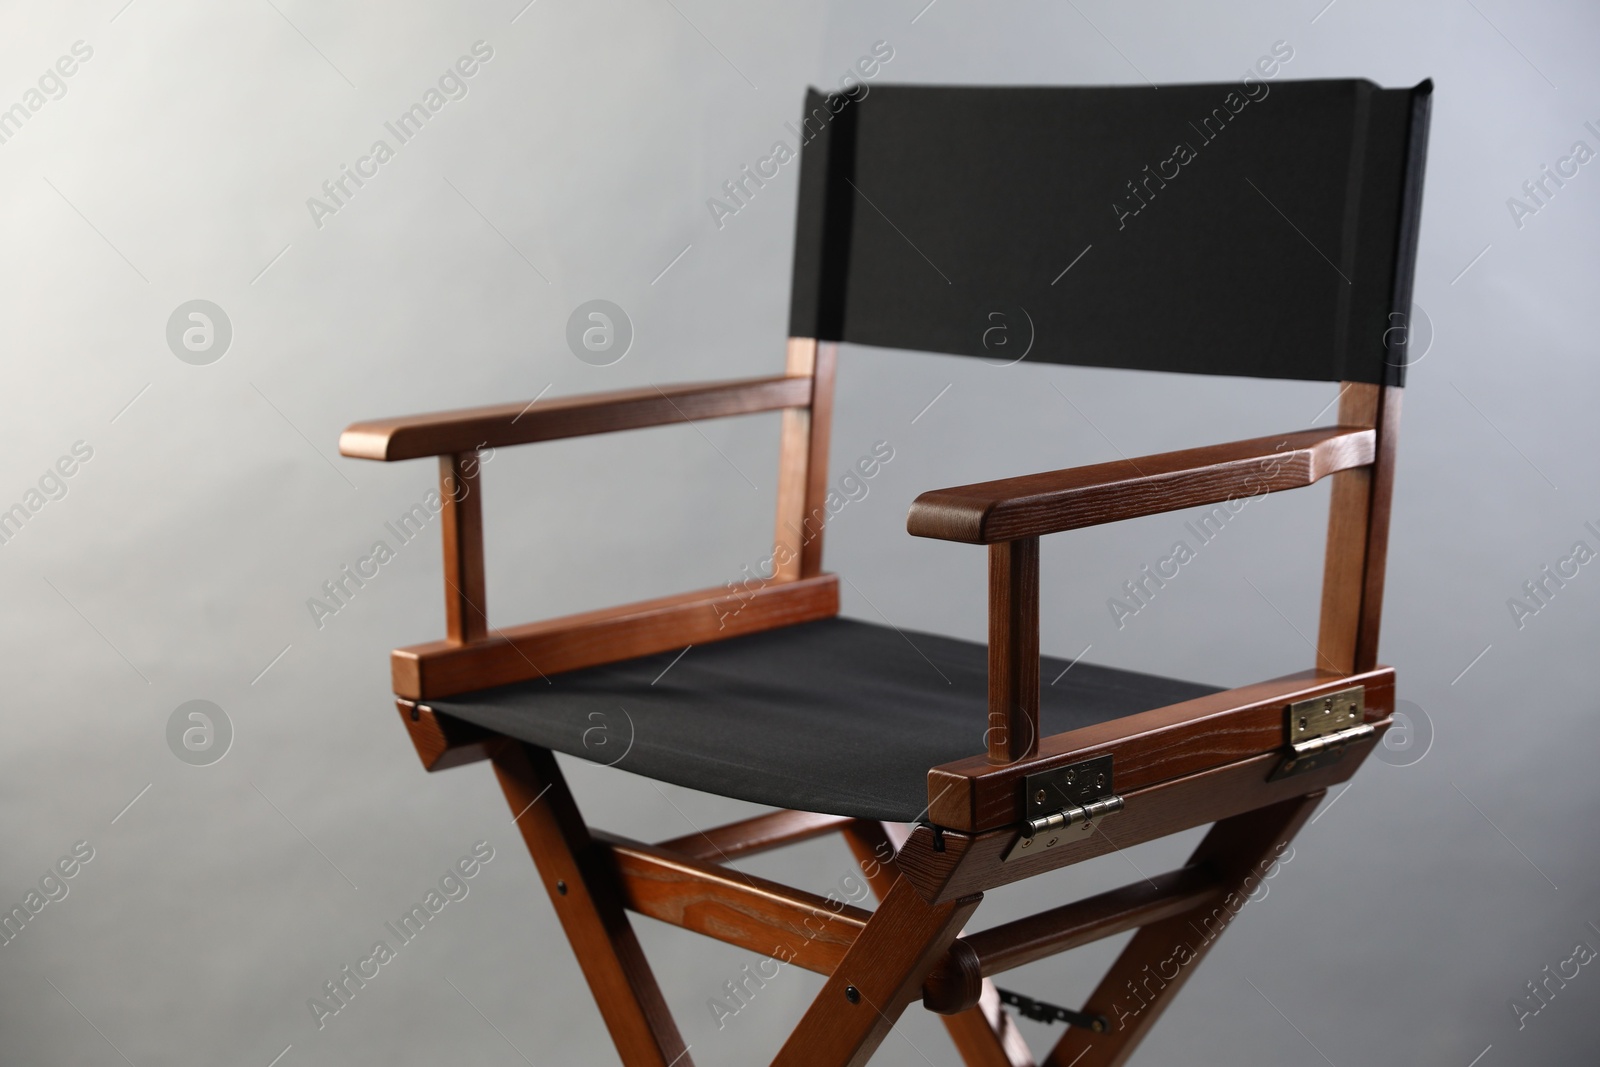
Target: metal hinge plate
1059,799
1318,729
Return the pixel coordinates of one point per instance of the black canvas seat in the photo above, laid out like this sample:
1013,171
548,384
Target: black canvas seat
837,716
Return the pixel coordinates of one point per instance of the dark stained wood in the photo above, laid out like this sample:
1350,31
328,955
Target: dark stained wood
583,888
1015,944
885,967
789,925
441,668
817,459
1013,732
971,863
499,425
987,1036
984,1035
955,984
794,462
1036,504
461,491
1161,956
444,741
803,463
1378,528
874,852
1344,562
1150,747
760,834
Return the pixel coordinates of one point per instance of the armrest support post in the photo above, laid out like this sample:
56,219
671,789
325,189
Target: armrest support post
803,463
465,610
1358,533
1013,732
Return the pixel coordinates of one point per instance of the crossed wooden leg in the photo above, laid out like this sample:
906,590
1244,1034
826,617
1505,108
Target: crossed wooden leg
985,1036
883,971
589,905
880,974
1161,956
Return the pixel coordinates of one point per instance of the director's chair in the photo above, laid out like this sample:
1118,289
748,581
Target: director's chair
1260,233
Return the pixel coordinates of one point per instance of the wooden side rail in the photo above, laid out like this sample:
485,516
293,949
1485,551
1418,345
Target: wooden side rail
1151,747
975,863
465,430
1009,509
956,984
441,669
740,909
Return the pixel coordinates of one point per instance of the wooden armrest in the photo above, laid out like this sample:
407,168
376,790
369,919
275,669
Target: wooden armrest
449,432
1011,508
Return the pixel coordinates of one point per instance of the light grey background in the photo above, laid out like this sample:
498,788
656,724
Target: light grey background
178,565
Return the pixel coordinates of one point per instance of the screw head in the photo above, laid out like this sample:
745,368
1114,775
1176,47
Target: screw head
1100,781
1039,796
561,887
852,994
1072,776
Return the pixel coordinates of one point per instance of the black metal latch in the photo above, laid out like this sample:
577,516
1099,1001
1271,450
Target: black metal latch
1039,1011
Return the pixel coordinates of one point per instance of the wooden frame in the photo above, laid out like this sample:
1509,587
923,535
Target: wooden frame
1207,760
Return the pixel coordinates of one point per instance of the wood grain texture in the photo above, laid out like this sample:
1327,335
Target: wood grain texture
443,741
1344,560
885,967
817,460
760,834
584,891
874,852
1037,504
1162,956
441,668
499,425
794,462
461,524
1150,747
1013,732
803,463
789,925
1037,937
985,1035
1383,469
971,863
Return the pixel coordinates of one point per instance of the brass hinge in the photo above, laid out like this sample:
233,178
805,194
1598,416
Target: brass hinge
1057,800
1319,729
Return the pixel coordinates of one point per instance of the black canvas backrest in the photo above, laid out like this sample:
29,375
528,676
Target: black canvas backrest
1257,228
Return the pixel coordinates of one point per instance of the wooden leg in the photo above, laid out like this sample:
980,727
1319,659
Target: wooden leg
881,974
985,1036
1161,956
589,905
